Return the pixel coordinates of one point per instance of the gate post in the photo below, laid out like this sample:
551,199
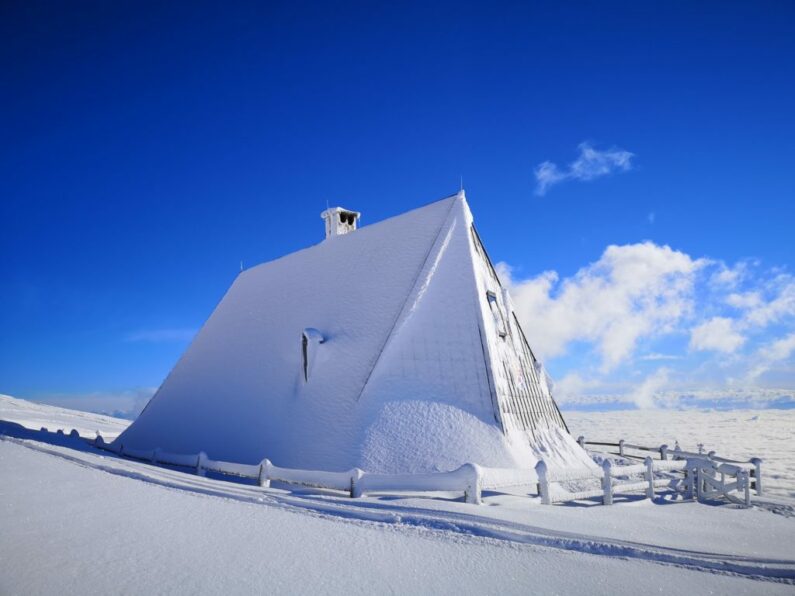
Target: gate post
746,476
356,483
543,482
607,483
264,477
200,464
649,477
757,474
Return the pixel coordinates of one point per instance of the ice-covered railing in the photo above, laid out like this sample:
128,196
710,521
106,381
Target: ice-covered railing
702,475
630,451
357,483
612,480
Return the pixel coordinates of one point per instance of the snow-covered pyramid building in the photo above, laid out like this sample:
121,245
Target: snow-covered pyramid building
393,348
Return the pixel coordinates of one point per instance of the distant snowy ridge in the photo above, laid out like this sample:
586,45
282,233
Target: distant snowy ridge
724,399
33,416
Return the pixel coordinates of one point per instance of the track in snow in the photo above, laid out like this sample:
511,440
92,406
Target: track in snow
463,524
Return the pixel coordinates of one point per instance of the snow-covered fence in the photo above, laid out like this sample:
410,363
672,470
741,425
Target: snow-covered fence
467,479
702,478
716,479
607,484
629,451
343,481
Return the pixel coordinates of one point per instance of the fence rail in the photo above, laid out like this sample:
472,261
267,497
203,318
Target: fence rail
607,485
467,479
697,475
623,449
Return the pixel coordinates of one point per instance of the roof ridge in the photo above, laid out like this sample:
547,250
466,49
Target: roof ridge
359,230
409,294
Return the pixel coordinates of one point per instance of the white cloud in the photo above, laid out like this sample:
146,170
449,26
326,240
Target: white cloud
644,394
718,334
601,328
729,277
572,386
548,174
780,349
654,356
631,292
591,163
161,335
772,354
781,303
745,300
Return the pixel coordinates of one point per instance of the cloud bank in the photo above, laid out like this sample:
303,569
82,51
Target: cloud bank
631,292
645,323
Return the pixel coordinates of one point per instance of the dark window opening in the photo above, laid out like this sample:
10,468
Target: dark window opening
304,344
496,311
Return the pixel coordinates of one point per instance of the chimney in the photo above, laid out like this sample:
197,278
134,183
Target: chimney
340,221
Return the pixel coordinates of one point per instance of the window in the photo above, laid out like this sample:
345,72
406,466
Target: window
496,312
310,340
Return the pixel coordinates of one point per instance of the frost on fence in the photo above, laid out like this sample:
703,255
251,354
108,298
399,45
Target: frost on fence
467,478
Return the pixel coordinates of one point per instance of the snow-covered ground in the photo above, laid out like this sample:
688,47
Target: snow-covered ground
35,416
736,434
77,520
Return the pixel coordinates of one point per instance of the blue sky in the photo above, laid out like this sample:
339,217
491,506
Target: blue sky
149,149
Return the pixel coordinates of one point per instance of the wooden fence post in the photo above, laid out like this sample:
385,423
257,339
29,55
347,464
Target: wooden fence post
607,483
663,452
649,477
757,474
699,480
746,477
543,482
472,492
264,477
692,479
356,483
621,447
581,441
200,471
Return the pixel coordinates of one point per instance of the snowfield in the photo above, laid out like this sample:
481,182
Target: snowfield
35,416
76,520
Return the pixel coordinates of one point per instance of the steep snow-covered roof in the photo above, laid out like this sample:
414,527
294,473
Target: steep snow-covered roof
371,348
